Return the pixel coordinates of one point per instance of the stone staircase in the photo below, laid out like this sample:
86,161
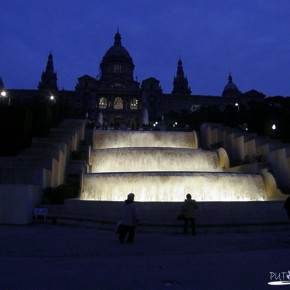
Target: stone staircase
160,217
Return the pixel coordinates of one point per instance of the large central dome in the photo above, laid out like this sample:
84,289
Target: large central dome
231,90
117,50
117,63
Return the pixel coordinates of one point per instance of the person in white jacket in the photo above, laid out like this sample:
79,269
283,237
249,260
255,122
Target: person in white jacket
128,220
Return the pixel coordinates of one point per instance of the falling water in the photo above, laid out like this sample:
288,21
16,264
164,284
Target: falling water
162,166
145,117
121,139
173,186
153,159
100,118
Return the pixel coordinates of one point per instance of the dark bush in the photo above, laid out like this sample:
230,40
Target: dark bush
77,155
15,129
57,195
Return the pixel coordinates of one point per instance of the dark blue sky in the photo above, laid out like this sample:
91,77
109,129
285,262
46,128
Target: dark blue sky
250,39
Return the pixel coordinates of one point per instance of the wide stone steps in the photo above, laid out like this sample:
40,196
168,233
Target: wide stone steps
161,217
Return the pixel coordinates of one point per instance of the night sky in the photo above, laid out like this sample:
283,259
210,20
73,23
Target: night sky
250,39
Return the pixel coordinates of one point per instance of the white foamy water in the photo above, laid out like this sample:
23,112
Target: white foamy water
162,166
174,186
121,139
153,159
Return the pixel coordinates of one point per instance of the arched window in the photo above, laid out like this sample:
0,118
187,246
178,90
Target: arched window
118,104
134,104
103,103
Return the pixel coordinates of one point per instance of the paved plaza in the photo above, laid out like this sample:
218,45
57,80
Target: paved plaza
47,256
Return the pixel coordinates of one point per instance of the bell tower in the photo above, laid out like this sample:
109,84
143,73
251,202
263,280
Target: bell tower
49,77
180,83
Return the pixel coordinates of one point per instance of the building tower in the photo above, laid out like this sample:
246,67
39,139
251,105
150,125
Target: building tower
231,90
48,80
117,65
118,94
180,83
114,94
1,85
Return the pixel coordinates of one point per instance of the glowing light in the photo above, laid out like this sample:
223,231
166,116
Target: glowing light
3,94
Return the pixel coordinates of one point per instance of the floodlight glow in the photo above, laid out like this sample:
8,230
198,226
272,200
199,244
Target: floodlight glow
3,94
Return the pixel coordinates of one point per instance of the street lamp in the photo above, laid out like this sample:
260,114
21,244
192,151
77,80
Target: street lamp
238,106
4,96
52,98
273,130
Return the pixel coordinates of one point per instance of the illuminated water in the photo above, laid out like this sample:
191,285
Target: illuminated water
162,166
153,159
121,139
174,186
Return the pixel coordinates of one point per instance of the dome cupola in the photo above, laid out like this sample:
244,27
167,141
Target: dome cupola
117,62
231,90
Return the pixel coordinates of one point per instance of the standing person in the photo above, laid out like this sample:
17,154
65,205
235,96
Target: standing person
188,210
128,220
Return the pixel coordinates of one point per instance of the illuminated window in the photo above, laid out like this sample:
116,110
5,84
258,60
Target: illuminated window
103,103
118,103
134,104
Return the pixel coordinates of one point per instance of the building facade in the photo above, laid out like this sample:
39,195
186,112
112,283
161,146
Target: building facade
115,99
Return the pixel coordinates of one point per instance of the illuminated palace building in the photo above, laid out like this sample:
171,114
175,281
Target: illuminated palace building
116,99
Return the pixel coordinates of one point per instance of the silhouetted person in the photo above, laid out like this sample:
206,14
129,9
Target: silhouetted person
188,210
128,220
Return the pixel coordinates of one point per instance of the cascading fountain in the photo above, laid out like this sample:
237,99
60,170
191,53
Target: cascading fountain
164,166
145,139
140,159
145,117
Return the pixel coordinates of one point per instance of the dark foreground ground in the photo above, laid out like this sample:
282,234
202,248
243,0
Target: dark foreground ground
46,256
